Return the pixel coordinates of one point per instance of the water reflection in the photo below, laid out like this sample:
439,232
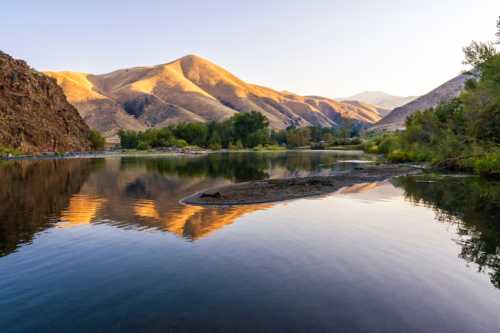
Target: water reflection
144,193
136,192
470,203
32,192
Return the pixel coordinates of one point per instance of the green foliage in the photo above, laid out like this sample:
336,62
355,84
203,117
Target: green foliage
242,130
7,151
97,140
251,128
462,134
477,53
194,133
488,164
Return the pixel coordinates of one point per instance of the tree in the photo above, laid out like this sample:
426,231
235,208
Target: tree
478,53
498,31
128,139
215,141
193,133
247,123
97,140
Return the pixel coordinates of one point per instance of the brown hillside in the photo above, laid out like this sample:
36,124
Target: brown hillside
34,113
193,89
445,92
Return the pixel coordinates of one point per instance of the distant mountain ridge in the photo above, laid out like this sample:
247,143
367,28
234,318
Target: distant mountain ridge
194,89
397,118
380,99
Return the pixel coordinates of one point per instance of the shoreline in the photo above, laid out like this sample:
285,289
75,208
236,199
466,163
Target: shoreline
284,189
104,154
162,152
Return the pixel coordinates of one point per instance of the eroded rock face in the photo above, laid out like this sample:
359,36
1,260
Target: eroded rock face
34,113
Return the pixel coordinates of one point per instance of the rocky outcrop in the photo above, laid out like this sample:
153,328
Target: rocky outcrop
34,113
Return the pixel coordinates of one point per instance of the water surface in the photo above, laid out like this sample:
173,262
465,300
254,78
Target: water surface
103,245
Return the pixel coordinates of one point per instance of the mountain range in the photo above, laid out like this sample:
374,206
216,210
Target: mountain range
383,101
194,89
445,92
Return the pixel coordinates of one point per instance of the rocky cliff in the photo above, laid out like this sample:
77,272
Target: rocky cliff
34,113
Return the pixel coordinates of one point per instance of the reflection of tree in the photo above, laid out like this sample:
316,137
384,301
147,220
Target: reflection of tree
472,204
33,192
234,166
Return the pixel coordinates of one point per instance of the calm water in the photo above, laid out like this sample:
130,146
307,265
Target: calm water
102,245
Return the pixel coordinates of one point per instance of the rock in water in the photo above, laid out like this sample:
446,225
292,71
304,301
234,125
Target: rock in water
34,113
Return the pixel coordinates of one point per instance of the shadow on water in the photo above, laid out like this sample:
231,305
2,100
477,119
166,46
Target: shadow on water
31,192
470,203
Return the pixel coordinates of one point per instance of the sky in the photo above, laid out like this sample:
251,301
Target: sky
330,48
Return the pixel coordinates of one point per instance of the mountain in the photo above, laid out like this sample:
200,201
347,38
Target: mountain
34,113
445,92
380,99
193,89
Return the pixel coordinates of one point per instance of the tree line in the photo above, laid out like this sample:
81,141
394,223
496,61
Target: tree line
243,130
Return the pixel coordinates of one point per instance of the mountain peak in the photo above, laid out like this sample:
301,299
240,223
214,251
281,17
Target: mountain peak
380,99
192,89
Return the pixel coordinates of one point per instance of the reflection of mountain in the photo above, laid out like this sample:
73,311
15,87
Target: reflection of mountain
138,192
32,192
360,188
146,193
474,206
82,209
195,222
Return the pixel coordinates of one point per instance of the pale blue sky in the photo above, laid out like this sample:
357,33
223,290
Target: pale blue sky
323,47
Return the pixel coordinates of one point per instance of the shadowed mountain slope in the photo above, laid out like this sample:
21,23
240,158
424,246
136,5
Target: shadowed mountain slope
193,89
34,113
397,118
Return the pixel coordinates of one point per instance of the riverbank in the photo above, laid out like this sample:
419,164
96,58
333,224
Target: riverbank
274,190
108,153
189,151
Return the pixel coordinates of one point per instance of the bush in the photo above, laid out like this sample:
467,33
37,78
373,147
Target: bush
215,146
143,146
7,151
489,164
97,140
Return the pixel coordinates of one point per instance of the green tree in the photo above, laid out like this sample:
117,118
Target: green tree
498,31
128,139
192,133
476,53
248,123
97,140
215,141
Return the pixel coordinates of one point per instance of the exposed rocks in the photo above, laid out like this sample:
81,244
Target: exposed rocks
34,113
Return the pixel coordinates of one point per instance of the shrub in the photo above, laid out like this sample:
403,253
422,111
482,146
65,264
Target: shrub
8,151
97,140
143,146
